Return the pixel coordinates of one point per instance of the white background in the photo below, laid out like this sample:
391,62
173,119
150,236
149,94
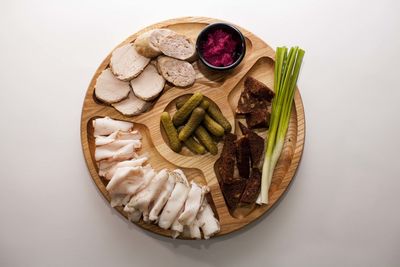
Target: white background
343,206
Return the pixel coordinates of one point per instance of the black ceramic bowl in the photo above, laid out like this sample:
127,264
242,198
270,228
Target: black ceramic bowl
240,50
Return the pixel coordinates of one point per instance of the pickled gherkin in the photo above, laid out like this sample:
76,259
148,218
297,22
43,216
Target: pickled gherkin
184,112
204,104
203,136
216,114
171,132
194,121
212,126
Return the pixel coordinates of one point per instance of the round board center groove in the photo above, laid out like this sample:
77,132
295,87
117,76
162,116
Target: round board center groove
224,89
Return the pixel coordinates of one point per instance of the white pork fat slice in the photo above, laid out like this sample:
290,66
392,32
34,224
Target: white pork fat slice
142,200
117,149
162,198
105,166
117,135
106,126
130,180
207,222
127,163
175,201
119,200
134,215
104,140
194,230
193,203
133,135
177,227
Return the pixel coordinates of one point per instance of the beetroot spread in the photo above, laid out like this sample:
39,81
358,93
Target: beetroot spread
219,48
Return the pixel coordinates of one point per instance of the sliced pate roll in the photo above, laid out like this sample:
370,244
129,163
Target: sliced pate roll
126,63
109,89
177,46
132,105
149,84
175,71
147,43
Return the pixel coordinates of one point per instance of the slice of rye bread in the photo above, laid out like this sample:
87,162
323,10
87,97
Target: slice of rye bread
255,96
243,156
232,192
256,143
227,160
258,89
252,189
258,118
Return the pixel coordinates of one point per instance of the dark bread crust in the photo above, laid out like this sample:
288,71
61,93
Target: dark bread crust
228,159
255,96
258,89
256,143
252,188
243,156
258,118
233,192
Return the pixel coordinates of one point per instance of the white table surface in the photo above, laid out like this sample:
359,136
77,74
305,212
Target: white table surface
343,206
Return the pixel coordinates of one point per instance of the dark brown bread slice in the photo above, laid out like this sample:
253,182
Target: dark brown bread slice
243,156
258,89
256,145
227,159
258,118
255,95
247,103
252,188
233,192
244,129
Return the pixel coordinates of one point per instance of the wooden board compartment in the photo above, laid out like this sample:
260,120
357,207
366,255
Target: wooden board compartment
223,89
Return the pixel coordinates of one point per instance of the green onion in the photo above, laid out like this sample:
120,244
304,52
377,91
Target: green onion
287,68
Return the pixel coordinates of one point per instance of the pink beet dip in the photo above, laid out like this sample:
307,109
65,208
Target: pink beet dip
219,48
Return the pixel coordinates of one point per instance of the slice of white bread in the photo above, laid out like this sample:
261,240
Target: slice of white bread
132,105
109,89
175,71
149,84
147,43
126,63
177,46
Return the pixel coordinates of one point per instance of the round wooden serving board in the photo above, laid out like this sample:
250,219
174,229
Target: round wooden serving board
222,88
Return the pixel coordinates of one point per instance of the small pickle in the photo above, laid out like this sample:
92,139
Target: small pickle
171,132
195,119
181,101
184,112
203,136
216,114
204,104
192,144
212,126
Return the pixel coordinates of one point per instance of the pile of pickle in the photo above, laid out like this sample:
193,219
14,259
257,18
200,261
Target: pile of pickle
196,123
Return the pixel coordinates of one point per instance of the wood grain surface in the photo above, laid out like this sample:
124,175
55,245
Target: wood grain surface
223,89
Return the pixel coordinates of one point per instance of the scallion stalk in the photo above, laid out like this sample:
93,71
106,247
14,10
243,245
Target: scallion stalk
287,68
